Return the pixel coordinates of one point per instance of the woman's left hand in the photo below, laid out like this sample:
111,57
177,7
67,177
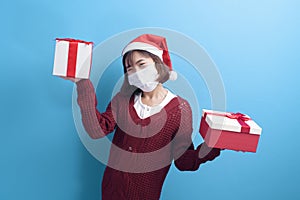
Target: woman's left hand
207,153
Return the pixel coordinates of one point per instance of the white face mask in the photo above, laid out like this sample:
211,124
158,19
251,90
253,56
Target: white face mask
145,79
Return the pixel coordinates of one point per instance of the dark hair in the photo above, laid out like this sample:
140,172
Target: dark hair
162,69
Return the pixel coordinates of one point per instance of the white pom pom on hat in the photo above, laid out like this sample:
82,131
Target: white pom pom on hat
154,44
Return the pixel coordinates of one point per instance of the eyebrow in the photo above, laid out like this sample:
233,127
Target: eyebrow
137,62
140,60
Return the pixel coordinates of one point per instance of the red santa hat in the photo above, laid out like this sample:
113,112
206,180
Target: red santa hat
154,44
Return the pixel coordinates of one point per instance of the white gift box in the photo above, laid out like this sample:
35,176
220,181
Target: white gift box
73,58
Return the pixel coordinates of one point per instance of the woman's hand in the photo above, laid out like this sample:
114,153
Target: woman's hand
74,80
207,153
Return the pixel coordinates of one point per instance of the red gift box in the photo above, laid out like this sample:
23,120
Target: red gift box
73,58
233,131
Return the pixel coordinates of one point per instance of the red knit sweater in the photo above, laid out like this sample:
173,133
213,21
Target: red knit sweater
142,149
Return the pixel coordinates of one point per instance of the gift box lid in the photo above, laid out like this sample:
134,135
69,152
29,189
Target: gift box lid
73,40
220,121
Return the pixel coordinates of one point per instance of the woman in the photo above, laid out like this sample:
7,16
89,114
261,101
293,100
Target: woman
152,125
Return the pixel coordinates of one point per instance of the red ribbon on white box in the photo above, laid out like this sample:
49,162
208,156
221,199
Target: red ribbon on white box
241,118
71,68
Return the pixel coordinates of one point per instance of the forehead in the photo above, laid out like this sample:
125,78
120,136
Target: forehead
135,56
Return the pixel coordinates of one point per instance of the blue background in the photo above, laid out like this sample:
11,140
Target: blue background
255,45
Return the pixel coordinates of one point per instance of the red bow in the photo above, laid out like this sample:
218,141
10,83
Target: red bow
238,115
241,118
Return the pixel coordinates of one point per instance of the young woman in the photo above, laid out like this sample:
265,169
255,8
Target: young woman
153,126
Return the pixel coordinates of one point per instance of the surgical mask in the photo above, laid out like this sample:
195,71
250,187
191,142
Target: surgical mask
145,79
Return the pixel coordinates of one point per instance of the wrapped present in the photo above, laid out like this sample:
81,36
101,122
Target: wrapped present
233,131
73,58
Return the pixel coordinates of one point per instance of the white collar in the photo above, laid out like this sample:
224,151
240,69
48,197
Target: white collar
145,111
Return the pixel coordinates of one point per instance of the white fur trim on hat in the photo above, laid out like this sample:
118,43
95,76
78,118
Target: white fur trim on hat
143,46
172,75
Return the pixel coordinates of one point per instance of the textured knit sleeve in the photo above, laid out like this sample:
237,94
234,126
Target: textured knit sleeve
185,155
96,124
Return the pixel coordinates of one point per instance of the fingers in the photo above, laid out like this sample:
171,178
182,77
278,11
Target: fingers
213,154
208,153
74,80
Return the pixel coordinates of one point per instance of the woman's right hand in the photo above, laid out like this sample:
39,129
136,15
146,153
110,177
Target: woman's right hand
74,80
